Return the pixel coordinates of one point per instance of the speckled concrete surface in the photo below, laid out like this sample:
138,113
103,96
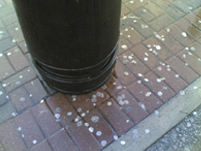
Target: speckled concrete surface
186,136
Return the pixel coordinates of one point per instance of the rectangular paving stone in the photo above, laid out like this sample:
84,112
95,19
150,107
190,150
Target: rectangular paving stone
141,27
23,46
183,6
171,1
162,52
6,44
17,58
18,79
124,45
3,34
98,96
61,108
194,3
8,2
161,22
184,38
159,87
174,30
5,11
154,9
124,23
189,28
146,98
184,71
29,129
82,103
134,5
174,12
28,56
199,40
171,78
144,14
132,35
62,141
16,32
124,1
6,67
102,130
146,56
20,99
130,106
170,42
134,64
10,137
145,30
10,19
82,137
124,75
195,49
115,116
112,86
43,146
194,19
197,12
36,90
3,96
45,119
193,61
124,10
6,112
160,3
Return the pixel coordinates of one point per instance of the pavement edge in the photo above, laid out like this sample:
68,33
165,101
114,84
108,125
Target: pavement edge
155,125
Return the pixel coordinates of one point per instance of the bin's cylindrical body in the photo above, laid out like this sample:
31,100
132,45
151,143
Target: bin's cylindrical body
73,43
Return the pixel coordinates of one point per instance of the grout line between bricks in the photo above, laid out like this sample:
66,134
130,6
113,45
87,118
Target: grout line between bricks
137,78
170,114
70,123
22,138
82,118
107,121
150,70
45,137
123,111
178,73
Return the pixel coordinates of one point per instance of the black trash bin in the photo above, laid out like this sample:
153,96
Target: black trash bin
73,43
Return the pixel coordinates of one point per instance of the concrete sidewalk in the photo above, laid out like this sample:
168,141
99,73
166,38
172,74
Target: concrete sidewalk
155,86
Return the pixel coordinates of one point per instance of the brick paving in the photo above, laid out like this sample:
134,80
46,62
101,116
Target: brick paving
159,56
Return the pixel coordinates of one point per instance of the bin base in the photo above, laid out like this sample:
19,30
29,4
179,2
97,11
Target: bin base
78,85
82,91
